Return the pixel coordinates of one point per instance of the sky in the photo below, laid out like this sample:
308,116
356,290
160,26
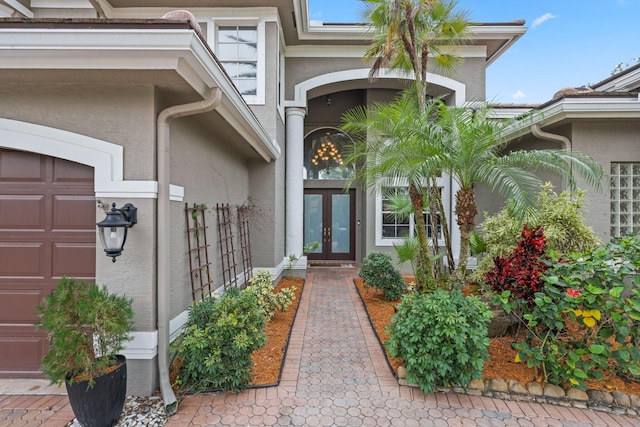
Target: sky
569,43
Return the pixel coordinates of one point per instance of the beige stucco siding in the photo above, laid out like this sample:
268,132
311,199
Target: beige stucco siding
211,171
122,115
606,141
471,73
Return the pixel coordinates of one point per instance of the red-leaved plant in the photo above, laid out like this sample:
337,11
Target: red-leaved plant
520,272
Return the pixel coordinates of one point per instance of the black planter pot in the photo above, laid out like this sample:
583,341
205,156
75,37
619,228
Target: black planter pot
101,405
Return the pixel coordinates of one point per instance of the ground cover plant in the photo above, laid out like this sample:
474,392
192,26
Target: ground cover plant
585,319
502,362
219,338
266,360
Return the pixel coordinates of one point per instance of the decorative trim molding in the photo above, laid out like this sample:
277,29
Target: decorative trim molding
300,91
107,159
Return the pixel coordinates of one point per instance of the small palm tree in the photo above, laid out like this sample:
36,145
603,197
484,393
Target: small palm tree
473,152
389,152
410,35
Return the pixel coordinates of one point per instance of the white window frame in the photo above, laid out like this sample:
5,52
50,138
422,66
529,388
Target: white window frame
442,182
212,39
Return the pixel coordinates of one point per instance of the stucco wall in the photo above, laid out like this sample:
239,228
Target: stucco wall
471,73
606,141
267,186
122,115
211,172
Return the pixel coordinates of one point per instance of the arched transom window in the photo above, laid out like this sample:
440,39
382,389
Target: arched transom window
323,155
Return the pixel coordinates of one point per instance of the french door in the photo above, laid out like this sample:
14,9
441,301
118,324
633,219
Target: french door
329,219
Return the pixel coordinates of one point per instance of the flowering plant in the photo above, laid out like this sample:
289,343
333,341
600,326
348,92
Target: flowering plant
586,320
574,292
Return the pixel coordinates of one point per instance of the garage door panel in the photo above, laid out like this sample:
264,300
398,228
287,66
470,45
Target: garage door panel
74,212
47,230
13,302
66,171
21,353
74,260
22,259
22,212
21,166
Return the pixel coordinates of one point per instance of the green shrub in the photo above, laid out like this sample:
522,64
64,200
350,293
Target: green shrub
586,320
442,337
86,326
559,214
219,338
261,285
378,272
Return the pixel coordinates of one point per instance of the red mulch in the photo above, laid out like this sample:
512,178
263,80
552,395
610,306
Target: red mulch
502,355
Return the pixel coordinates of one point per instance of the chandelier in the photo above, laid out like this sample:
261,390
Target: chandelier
327,154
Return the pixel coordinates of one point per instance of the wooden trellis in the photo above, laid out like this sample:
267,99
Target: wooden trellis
199,265
227,251
245,243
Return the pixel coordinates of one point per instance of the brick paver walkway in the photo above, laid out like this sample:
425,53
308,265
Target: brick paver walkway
335,374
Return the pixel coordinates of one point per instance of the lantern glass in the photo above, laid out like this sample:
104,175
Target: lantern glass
113,229
113,238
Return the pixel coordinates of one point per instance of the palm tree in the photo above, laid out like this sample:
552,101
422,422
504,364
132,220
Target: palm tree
388,151
473,152
410,35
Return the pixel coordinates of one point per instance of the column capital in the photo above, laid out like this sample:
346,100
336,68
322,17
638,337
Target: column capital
295,111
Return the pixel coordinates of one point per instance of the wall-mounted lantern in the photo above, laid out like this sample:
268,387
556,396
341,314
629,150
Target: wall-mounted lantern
113,229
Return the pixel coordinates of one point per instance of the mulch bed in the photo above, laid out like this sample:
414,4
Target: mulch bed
268,360
502,355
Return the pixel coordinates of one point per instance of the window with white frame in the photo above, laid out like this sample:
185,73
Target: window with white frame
237,49
392,226
625,198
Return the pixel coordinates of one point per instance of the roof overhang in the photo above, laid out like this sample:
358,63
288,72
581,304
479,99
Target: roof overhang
149,45
297,27
615,107
497,37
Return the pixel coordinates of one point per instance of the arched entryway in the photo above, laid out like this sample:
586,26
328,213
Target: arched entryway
329,209
47,230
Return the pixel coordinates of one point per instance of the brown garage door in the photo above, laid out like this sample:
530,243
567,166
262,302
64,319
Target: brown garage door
47,230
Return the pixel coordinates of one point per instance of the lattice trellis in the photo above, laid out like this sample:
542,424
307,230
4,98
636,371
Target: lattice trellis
245,242
227,251
199,265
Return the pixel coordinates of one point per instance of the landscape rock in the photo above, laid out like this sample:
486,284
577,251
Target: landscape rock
554,391
516,387
577,394
600,397
621,399
535,389
498,385
402,372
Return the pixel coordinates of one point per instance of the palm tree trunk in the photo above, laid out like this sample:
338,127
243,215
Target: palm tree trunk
445,227
466,210
424,269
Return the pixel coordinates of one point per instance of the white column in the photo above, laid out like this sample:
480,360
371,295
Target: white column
294,155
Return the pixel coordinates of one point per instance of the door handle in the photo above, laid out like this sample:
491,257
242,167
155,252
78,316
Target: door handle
326,233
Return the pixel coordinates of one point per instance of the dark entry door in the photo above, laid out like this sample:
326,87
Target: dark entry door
329,218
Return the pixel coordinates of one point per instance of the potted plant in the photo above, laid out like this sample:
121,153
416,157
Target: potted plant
87,326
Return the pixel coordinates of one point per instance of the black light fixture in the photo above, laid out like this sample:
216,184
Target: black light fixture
113,229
